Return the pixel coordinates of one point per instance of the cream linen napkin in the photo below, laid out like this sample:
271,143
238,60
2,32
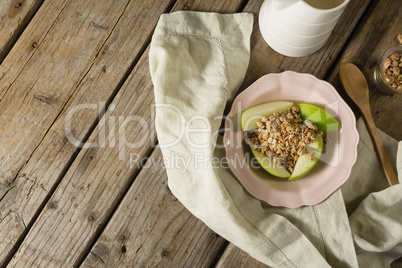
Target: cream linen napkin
197,62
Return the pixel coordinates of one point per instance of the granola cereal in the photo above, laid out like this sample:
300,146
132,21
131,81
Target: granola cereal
392,70
284,136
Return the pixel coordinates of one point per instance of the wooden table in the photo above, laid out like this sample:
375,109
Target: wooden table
86,62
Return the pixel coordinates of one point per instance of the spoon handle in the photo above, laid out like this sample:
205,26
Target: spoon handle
379,147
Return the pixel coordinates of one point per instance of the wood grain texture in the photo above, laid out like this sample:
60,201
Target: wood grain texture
45,151
34,97
151,228
97,179
75,54
14,17
27,45
94,183
371,39
209,6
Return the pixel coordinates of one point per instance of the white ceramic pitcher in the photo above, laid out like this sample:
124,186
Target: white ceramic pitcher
310,11
299,27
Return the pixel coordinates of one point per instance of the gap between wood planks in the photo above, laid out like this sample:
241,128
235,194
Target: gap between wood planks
87,135
74,155
20,29
34,45
106,220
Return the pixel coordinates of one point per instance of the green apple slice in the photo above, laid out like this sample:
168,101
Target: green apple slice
249,120
253,114
304,164
324,121
268,164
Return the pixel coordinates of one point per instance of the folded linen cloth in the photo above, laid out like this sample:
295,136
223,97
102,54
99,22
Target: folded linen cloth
197,62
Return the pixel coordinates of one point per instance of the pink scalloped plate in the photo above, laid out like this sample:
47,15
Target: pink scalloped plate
338,157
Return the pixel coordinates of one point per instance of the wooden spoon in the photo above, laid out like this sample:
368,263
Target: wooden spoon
356,87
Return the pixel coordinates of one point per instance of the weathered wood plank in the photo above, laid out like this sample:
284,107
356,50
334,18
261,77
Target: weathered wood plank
14,17
28,44
152,229
374,36
48,78
44,154
93,184
96,181
209,6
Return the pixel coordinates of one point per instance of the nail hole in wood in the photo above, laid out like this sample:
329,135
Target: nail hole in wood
165,253
122,237
52,205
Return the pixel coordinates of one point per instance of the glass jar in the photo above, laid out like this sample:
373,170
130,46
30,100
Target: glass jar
384,80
